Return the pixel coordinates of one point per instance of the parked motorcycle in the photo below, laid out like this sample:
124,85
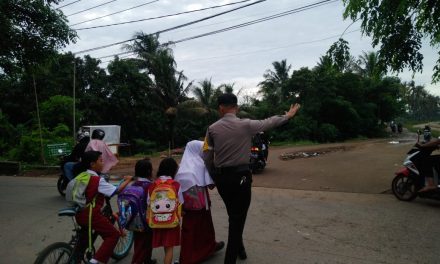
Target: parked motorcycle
408,181
259,152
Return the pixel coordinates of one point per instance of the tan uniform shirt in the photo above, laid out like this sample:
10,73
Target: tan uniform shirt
228,141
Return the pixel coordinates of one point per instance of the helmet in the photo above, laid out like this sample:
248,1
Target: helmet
82,134
98,134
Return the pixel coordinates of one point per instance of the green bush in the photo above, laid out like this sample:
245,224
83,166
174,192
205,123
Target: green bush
8,134
28,148
327,133
144,146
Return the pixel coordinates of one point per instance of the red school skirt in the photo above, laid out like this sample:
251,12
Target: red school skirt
166,237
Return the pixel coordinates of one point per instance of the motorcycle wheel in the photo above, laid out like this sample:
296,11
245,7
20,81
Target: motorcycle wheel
257,166
61,185
404,188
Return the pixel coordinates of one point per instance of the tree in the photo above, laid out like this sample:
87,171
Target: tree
207,94
168,84
129,102
228,88
8,134
31,30
368,66
398,28
56,110
273,86
339,56
420,105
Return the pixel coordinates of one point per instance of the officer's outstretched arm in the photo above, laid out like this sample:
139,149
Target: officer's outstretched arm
292,111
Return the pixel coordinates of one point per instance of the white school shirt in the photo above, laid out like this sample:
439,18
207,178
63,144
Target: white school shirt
104,187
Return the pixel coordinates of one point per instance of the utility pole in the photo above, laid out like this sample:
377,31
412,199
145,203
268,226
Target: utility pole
74,99
38,118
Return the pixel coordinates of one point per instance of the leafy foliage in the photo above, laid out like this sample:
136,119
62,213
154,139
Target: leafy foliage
398,28
151,100
31,30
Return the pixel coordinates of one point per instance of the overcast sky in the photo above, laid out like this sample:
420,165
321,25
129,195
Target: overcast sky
240,56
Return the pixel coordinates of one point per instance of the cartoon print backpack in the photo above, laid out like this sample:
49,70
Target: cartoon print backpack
132,206
195,198
164,210
76,189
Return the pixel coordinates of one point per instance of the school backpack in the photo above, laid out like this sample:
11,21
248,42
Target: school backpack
164,209
132,206
195,198
76,189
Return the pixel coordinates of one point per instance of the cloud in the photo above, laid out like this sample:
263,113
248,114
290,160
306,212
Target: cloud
240,55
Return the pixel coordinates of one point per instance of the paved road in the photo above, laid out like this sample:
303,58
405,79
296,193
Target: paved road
284,226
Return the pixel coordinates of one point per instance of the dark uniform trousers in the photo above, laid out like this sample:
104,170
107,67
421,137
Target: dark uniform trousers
235,189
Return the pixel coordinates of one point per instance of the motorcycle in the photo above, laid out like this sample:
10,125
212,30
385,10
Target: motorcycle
67,162
63,180
259,152
408,181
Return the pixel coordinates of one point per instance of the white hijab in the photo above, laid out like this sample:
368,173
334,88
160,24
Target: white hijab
192,170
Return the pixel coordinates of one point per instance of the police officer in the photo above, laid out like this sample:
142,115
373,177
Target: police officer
226,154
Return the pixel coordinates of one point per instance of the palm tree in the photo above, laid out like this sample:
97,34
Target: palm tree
274,82
227,87
168,84
206,94
369,66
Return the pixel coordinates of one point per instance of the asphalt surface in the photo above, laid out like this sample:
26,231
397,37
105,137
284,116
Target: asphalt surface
284,226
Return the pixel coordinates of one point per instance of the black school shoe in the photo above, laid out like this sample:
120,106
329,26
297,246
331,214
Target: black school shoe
152,261
242,254
219,246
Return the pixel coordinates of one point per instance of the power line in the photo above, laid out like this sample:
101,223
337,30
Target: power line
224,21
121,11
256,21
241,53
153,18
120,53
173,28
285,13
90,8
271,49
68,4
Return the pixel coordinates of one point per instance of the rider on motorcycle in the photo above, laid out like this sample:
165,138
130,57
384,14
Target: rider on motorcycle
428,162
83,139
97,144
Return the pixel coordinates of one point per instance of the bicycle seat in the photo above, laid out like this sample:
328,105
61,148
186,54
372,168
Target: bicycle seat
70,211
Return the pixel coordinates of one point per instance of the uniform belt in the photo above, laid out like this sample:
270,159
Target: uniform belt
231,169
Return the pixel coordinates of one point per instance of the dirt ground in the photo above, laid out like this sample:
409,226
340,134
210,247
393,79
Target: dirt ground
365,166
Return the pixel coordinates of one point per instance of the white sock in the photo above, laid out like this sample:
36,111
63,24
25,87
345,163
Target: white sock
94,261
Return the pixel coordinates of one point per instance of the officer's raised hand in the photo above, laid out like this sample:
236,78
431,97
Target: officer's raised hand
292,111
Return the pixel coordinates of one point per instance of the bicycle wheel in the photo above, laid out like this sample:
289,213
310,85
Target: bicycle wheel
59,253
124,245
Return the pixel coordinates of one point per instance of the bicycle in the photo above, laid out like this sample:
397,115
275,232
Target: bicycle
69,253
